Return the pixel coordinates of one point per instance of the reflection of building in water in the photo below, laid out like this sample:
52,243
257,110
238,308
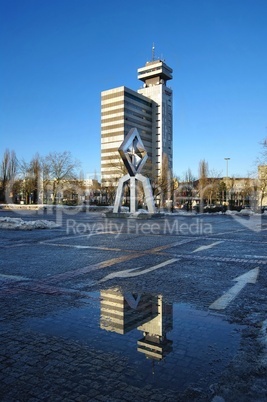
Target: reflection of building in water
155,344
122,312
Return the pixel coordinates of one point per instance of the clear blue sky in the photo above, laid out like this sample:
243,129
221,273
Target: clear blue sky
56,56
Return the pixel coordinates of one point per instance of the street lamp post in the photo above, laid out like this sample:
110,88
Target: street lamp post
226,159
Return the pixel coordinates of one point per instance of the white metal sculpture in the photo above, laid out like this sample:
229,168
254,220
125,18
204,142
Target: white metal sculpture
134,156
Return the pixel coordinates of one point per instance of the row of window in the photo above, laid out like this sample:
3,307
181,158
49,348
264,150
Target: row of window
138,115
137,123
137,107
137,99
128,106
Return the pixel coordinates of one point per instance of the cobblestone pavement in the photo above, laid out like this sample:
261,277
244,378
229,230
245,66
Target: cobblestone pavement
164,309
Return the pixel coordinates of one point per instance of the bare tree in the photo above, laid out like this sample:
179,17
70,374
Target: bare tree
188,177
34,178
262,172
57,168
262,183
185,190
35,170
264,151
221,191
30,184
203,180
162,184
212,186
25,184
109,185
8,170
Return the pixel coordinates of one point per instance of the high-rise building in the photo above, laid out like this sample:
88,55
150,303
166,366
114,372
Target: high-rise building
149,110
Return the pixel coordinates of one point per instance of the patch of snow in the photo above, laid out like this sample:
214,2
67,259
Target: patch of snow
228,212
246,212
181,212
18,223
141,211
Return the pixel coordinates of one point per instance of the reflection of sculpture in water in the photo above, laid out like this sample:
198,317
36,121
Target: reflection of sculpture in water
154,343
123,312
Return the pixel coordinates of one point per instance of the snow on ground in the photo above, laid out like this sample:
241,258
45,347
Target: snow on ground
18,223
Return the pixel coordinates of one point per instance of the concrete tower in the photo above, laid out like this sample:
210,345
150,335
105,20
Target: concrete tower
155,74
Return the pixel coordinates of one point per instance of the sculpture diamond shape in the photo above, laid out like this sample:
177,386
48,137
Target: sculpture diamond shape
134,156
133,152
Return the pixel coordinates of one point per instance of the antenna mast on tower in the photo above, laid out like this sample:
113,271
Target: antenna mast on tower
153,52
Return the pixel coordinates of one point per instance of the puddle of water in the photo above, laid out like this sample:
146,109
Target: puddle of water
172,345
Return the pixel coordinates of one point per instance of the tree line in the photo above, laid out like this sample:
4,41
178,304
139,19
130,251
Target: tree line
21,177
56,169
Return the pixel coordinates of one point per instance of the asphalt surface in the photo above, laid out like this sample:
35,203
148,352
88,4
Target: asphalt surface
165,309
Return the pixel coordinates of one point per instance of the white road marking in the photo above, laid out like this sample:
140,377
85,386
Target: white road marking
263,338
255,256
14,277
77,236
50,242
78,246
15,245
201,248
249,277
128,273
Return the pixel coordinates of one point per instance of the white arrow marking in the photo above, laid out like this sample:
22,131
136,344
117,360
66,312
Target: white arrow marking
201,248
249,277
263,339
127,273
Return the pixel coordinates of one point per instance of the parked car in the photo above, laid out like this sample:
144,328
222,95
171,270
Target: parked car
213,208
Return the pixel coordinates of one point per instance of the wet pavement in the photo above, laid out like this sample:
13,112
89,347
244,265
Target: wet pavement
167,309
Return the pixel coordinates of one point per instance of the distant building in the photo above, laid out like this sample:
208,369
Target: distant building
216,191
149,110
121,110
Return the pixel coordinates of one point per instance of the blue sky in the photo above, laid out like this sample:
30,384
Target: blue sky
56,56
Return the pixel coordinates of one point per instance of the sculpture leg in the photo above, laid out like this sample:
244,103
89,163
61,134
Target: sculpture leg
119,193
148,192
133,195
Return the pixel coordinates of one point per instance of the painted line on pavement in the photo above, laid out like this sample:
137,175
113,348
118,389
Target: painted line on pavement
263,339
129,273
202,248
14,277
81,247
220,259
255,256
223,301
66,237
132,254
15,245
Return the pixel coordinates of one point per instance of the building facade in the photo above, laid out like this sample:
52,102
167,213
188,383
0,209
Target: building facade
149,110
